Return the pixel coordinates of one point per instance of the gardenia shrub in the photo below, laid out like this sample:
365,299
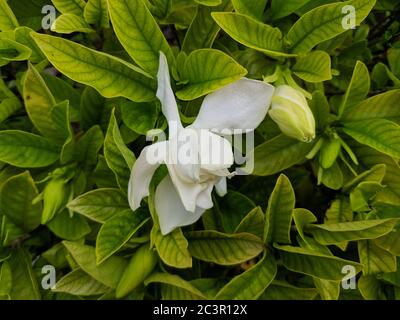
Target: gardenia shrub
199,149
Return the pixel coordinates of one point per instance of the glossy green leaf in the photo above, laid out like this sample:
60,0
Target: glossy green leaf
16,197
253,222
313,67
252,8
251,33
381,106
117,230
5,279
280,211
119,157
8,107
67,227
8,21
375,259
281,9
24,282
251,283
334,233
96,12
314,263
139,33
26,150
203,29
79,283
357,90
139,117
107,273
280,290
207,70
70,6
324,23
89,145
224,249
380,134
279,154
13,51
111,76
175,281
68,23
101,204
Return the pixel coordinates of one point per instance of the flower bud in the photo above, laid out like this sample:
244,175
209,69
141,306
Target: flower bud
290,110
139,268
55,196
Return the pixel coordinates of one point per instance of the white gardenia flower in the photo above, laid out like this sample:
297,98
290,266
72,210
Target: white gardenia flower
290,110
197,159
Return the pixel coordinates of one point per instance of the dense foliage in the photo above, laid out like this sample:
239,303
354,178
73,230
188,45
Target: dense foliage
77,101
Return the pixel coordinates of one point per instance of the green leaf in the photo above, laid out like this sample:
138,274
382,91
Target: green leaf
224,249
26,150
101,204
61,120
381,106
8,21
332,177
24,282
380,134
8,107
172,248
279,154
29,12
22,35
117,230
233,207
252,283
314,263
339,211
96,13
139,34
9,231
357,90
280,290
175,281
13,51
328,290
253,223
16,197
203,30
109,272
139,117
68,23
5,279
280,9
79,283
118,156
69,228
393,56
375,259
369,287
280,211
209,2
111,76
39,102
335,233
303,217
390,242
252,8
375,174
89,145
251,33
207,70
324,23
70,6
370,157
313,67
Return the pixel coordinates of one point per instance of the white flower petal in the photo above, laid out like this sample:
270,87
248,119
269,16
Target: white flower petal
204,200
221,187
142,172
188,191
215,152
240,105
165,93
171,212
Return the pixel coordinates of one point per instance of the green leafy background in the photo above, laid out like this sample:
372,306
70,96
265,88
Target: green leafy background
77,100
